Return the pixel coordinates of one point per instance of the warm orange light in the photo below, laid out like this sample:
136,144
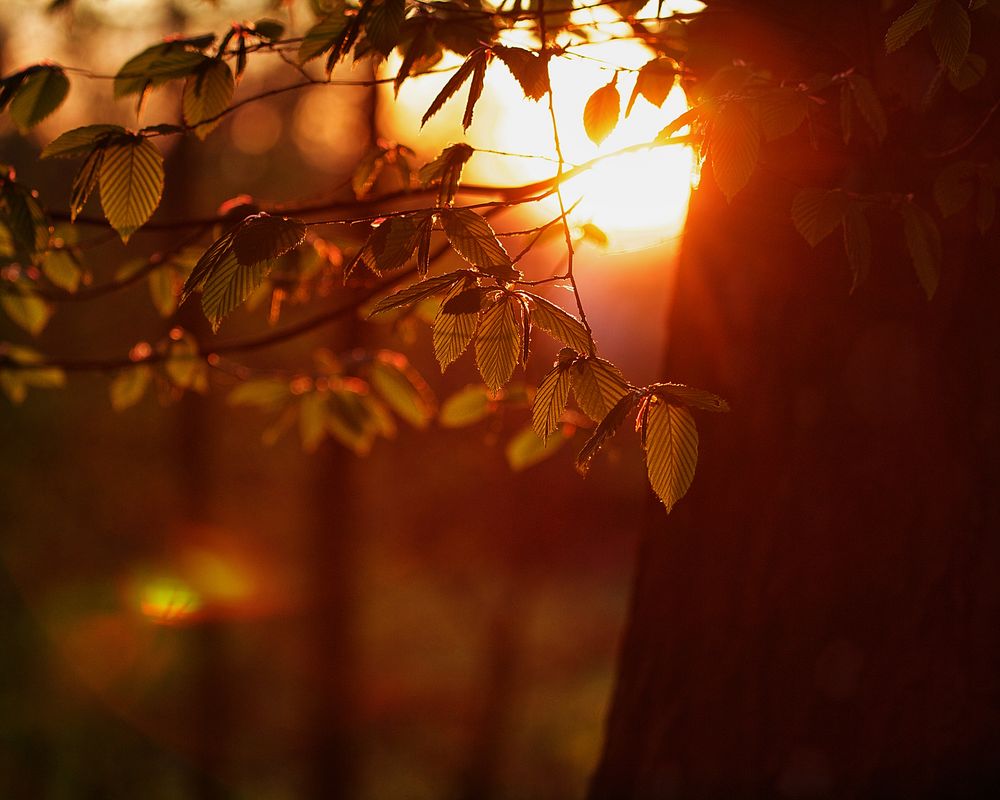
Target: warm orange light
168,601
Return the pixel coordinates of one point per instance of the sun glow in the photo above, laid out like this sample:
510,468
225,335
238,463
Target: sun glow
638,199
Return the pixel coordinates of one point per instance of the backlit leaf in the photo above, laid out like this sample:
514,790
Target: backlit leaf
671,450
453,332
868,104
393,243
816,213
128,386
690,397
466,407
131,181
782,112
27,311
601,114
526,449
604,431
474,240
597,386
498,342
383,23
418,291
475,63
550,400
41,93
228,285
313,413
79,141
62,269
85,181
908,23
528,68
951,31
733,146
402,388
322,36
162,291
559,324
154,66
654,82
207,94
263,237
269,394
447,170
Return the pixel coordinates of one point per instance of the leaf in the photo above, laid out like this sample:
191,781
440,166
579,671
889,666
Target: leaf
529,69
447,168
79,141
207,263
951,31
207,94
383,23
734,143
817,212
869,105
228,285
923,241
908,23
403,389
498,342
559,324
155,66
84,182
782,112
475,63
269,29
129,386
654,82
550,400
322,36
972,71
131,181
393,242
690,397
525,449
601,114
418,291
263,237
604,431
671,450
162,291
41,93
313,413
27,311
857,244
474,240
62,270
954,187
185,367
24,218
269,394
466,407
689,117
452,332
597,385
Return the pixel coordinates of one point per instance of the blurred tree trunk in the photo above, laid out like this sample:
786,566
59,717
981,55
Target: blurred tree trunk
818,618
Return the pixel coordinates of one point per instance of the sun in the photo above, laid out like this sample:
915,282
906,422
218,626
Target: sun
637,199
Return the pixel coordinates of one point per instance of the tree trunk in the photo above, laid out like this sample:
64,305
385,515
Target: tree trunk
818,617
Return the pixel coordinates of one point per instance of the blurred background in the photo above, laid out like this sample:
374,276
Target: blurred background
188,612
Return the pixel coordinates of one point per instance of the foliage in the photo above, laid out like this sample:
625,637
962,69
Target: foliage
489,306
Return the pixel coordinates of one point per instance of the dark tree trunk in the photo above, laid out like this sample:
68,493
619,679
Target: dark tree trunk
819,616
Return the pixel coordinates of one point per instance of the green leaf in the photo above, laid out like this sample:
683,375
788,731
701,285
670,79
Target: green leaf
84,182
41,93
268,394
529,69
951,31
602,112
671,450
313,414
954,187
62,269
228,285
163,291
550,400
393,243
418,291
453,332
857,244
914,19
155,66
27,311
262,237
79,141
690,397
559,324
923,240
466,407
498,342
322,36
24,218
733,146
597,385
525,449
654,82
207,94
185,367
782,112
816,213
604,431
869,105
402,388
383,23
473,65
131,181
129,386
474,240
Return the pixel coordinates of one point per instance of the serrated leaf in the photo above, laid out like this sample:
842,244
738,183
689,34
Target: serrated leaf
207,94
154,66
39,94
550,400
475,62
604,431
525,449
79,141
690,397
498,342
228,285
84,182
951,32
268,394
816,213
447,169
403,389
418,291
559,324
671,450
954,187
972,71
529,69
382,25
62,269
689,117
782,112
453,332
597,386
24,218
654,82
602,112
869,105
131,181
914,19
27,311
923,241
321,37
263,237
393,242
733,147
466,407
474,240
129,386
857,244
